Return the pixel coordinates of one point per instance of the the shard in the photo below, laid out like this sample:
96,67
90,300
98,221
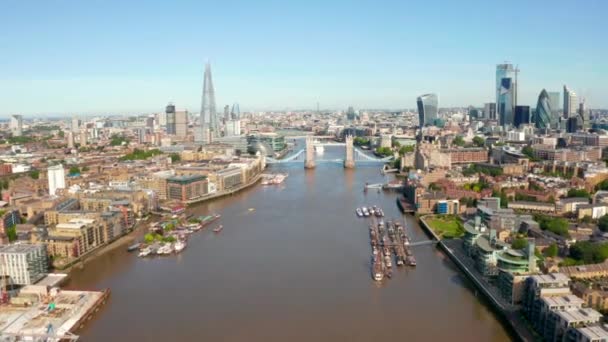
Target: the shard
208,121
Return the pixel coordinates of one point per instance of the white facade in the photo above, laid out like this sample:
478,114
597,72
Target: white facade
181,123
386,141
516,136
16,125
75,124
570,103
233,128
25,264
19,168
56,176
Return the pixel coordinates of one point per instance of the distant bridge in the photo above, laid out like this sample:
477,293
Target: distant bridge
360,157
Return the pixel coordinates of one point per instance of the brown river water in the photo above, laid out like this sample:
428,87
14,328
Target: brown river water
297,268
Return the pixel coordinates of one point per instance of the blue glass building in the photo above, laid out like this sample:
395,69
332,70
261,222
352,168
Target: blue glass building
427,109
505,93
522,116
544,113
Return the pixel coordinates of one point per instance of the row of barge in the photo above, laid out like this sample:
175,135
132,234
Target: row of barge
387,240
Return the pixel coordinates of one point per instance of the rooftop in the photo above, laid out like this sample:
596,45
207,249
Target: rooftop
19,248
594,332
566,300
580,315
185,178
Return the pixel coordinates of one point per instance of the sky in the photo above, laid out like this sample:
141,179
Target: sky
129,57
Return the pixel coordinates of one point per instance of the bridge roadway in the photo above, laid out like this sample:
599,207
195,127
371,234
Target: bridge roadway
363,158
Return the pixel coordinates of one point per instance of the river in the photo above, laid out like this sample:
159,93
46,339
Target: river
296,268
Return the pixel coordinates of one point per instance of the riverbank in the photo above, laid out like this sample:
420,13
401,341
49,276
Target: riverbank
505,311
122,241
223,193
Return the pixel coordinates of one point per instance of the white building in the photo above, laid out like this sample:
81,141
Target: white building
570,103
386,140
181,123
516,136
20,168
233,128
75,125
16,125
56,176
25,264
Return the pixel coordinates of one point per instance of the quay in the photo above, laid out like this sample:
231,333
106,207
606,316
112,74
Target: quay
405,206
39,314
507,312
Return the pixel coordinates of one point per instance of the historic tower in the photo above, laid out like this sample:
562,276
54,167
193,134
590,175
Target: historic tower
309,162
349,160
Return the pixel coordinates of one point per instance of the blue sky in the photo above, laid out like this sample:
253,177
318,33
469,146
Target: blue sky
90,57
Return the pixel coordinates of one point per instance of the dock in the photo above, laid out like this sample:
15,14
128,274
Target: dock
389,242
38,314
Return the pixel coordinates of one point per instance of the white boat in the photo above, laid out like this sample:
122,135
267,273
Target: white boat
319,149
365,212
378,276
145,252
359,212
179,246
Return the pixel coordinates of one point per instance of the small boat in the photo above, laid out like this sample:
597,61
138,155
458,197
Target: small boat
365,211
218,229
359,212
133,247
179,246
145,252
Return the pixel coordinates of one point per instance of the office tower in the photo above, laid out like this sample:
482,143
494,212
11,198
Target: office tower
70,138
226,113
506,93
543,116
350,114
427,109
522,116
16,125
556,105
235,113
475,113
170,115
181,123
56,177
75,124
572,124
489,111
161,119
208,122
570,103
83,137
233,128
583,114
150,122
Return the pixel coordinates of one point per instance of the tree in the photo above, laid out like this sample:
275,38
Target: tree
434,187
384,151
556,225
175,157
458,141
74,170
85,169
587,219
149,238
551,251
519,243
578,193
479,141
35,174
603,223
396,144
11,232
61,134
406,149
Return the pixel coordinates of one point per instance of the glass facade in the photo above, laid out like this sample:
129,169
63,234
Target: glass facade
427,109
505,76
556,112
505,102
522,115
544,113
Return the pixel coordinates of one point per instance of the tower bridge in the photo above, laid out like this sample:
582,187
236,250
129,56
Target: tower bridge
352,155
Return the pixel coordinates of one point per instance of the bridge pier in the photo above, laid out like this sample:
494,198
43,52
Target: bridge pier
349,160
309,161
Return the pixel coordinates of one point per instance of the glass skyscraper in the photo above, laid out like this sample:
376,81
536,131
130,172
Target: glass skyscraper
522,116
542,118
506,92
427,109
554,102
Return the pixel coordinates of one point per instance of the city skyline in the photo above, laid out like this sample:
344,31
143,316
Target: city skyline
291,58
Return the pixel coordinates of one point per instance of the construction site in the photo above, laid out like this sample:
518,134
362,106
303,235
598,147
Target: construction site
41,313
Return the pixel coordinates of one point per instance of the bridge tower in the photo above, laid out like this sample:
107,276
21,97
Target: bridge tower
349,159
309,161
